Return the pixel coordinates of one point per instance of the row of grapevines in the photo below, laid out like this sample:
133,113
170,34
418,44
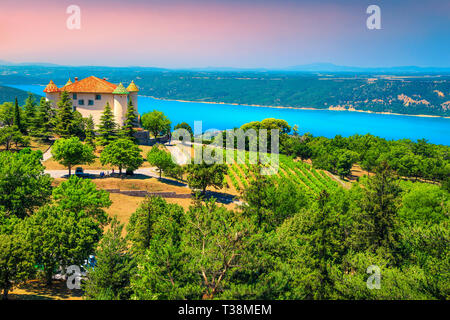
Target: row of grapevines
233,179
240,175
297,177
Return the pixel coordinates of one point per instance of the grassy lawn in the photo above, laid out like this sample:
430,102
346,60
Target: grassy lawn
34,145
124,205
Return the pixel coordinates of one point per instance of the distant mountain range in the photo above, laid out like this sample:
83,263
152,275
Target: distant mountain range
329,67
314,67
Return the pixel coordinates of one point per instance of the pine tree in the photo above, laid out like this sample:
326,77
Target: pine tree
64,116
107,128
30,112
380,204
89,132
43,120
110,278
130,121
17,117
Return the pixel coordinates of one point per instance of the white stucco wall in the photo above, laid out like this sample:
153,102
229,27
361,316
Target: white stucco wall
120,108
96,109
118,104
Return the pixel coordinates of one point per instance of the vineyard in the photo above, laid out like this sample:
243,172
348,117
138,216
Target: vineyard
306,177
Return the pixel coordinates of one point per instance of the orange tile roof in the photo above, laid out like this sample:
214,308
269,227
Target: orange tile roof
90,85
51,87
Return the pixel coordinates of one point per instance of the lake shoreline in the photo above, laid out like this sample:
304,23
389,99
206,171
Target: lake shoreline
294,108
301,108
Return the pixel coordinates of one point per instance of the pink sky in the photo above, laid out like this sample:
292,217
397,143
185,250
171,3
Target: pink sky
195,33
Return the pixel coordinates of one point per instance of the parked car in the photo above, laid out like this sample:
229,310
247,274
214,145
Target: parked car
79,172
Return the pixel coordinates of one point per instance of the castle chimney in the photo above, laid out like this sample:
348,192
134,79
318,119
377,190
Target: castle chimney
76,79
104,78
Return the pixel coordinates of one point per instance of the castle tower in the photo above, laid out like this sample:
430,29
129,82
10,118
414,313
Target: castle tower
120,104
133,90
52,93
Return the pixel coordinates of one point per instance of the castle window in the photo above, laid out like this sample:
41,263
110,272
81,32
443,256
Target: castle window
74,96
81,102
90,102
98,97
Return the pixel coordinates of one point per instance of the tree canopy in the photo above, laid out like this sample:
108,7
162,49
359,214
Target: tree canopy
156,122
71,151
122,153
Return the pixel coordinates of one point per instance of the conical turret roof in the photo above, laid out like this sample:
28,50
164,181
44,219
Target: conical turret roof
69,82
132,87
120,89
51,87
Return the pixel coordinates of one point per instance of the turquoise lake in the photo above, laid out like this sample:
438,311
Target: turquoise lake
318,122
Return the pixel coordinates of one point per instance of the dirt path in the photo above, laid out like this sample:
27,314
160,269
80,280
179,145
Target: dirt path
179,152
47,154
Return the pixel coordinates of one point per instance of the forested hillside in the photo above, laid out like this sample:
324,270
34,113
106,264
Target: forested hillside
8,94
400,93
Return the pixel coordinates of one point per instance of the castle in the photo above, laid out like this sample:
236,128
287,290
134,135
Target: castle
90,95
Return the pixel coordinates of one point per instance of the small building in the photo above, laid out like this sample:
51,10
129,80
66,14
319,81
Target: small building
90,95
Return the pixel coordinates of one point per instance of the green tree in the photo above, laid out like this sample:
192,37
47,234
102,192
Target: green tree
345,161
194,259
90,132
78,125
122,153
145,222
64,116
59,239
44,120
23,184
81,198
7,135
185,126
200,176
425,247
10,135
424,204
19,139
17,117
130,121
16,263
269,204
369,160
155,231
380,204
306,248
160,158
30,113
107,129
156,122
407,283
7,114
302,150
70,152
110,278
216,240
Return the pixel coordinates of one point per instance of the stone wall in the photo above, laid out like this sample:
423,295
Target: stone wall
144,193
